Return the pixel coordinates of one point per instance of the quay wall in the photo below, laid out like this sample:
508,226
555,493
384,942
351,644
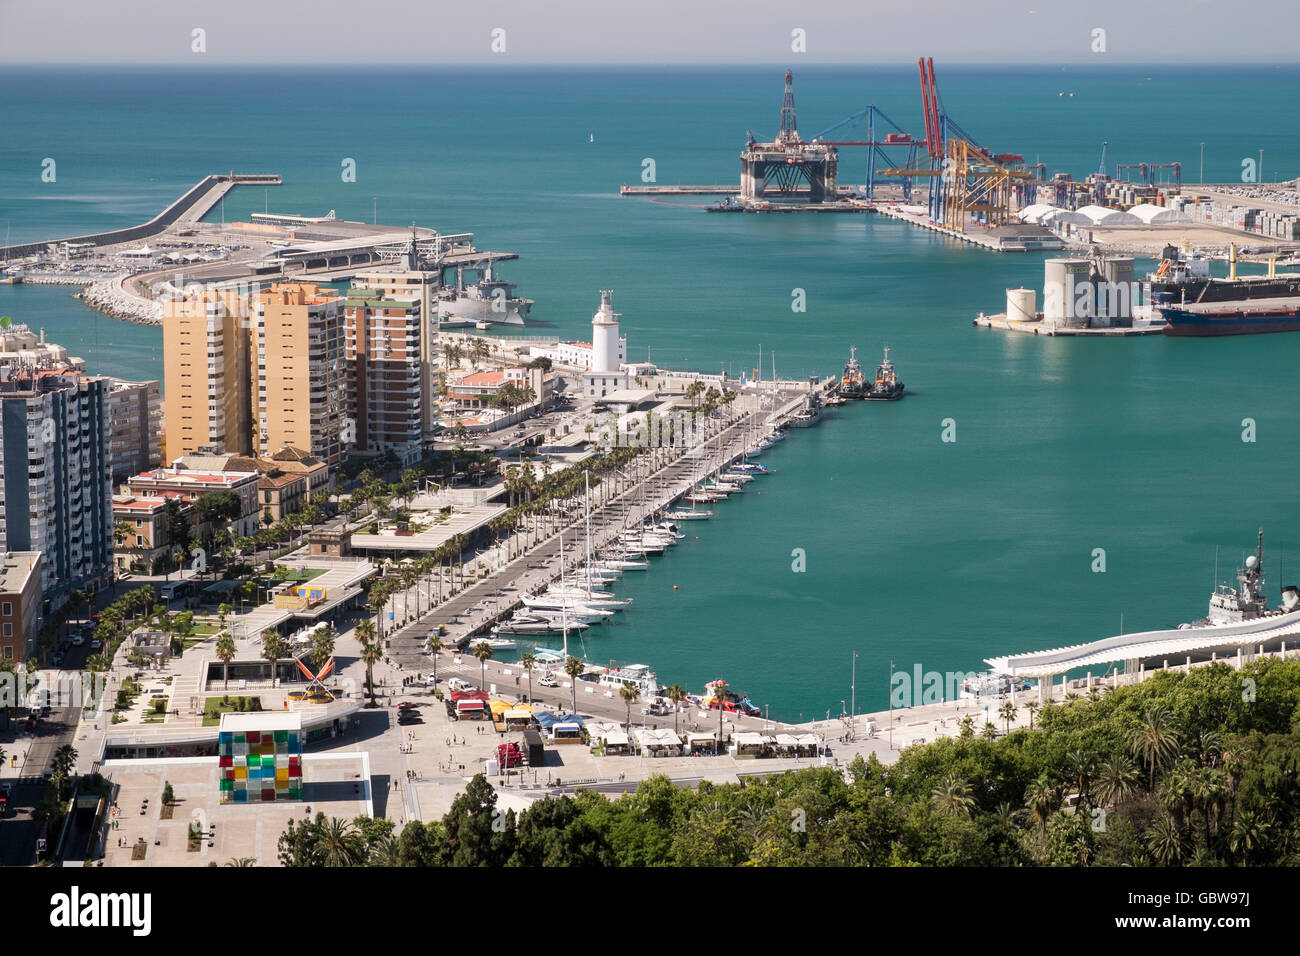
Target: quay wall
193,197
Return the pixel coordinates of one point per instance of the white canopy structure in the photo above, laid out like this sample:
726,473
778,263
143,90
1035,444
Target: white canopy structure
1149,214
1038,212
1101,216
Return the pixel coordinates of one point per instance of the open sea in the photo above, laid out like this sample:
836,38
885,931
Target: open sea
918,551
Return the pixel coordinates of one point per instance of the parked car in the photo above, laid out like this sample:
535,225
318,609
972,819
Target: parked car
96,644
77,640
548,681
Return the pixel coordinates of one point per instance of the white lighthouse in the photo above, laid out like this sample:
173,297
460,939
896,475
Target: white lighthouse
607,351
604,335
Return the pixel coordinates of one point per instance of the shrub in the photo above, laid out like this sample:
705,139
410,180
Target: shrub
168,796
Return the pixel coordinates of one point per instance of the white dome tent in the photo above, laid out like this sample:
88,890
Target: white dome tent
1158,214
1101,216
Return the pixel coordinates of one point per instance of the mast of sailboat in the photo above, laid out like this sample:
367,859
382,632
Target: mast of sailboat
564,604
586,484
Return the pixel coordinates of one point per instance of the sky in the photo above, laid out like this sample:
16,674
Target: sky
601,32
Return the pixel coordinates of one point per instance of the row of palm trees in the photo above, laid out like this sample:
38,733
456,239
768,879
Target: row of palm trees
1194,781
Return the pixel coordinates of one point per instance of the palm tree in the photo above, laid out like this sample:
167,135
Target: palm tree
720,698
952,796
1040,799
1032,707
573,667
226,651
322,647
1154,740
528,659
370,656
968,726
1080,766
676,694
434,645
483,651
1248,833
1008,713
990,731
241,861
272,649
65,759
1165,842
1116,780
338,845
629,695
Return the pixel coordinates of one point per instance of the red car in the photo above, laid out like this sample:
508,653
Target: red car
509,755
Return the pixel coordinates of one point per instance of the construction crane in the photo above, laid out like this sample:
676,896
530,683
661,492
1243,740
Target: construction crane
1146,170
967,179
1101,169
898,138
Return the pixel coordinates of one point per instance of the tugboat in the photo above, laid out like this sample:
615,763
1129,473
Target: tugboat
852,383
729,204
886,387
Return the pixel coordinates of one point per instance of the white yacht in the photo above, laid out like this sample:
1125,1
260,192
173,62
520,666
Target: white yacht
624,562
524,624
688,515
575,609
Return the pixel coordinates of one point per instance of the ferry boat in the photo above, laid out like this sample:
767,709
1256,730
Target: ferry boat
853,382
1246,317
886,387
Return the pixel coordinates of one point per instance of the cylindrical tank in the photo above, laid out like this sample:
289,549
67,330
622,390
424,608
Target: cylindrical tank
1021,305
1115,294
1062,281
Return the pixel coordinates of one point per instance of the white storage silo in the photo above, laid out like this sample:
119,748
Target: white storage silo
1068,296
1021,305
1115,296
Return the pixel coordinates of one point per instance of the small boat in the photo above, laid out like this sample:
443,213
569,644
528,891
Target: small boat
499,643
625,563
886,387
738,477
750,468
807,417
689,515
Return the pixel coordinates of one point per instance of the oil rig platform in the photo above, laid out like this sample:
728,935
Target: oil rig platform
787,167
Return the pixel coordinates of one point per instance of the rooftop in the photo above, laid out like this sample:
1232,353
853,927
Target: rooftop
261,720
16,568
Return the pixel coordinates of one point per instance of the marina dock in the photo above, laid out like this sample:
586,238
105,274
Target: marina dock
659,478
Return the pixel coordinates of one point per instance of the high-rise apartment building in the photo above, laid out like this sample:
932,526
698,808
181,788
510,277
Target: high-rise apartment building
134,427
300,370
55,480
208,380
385,386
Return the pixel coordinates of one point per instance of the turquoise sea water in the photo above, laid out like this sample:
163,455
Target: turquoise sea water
917,551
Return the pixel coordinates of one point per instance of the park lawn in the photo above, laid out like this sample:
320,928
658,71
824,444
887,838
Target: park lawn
213,708
307,574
